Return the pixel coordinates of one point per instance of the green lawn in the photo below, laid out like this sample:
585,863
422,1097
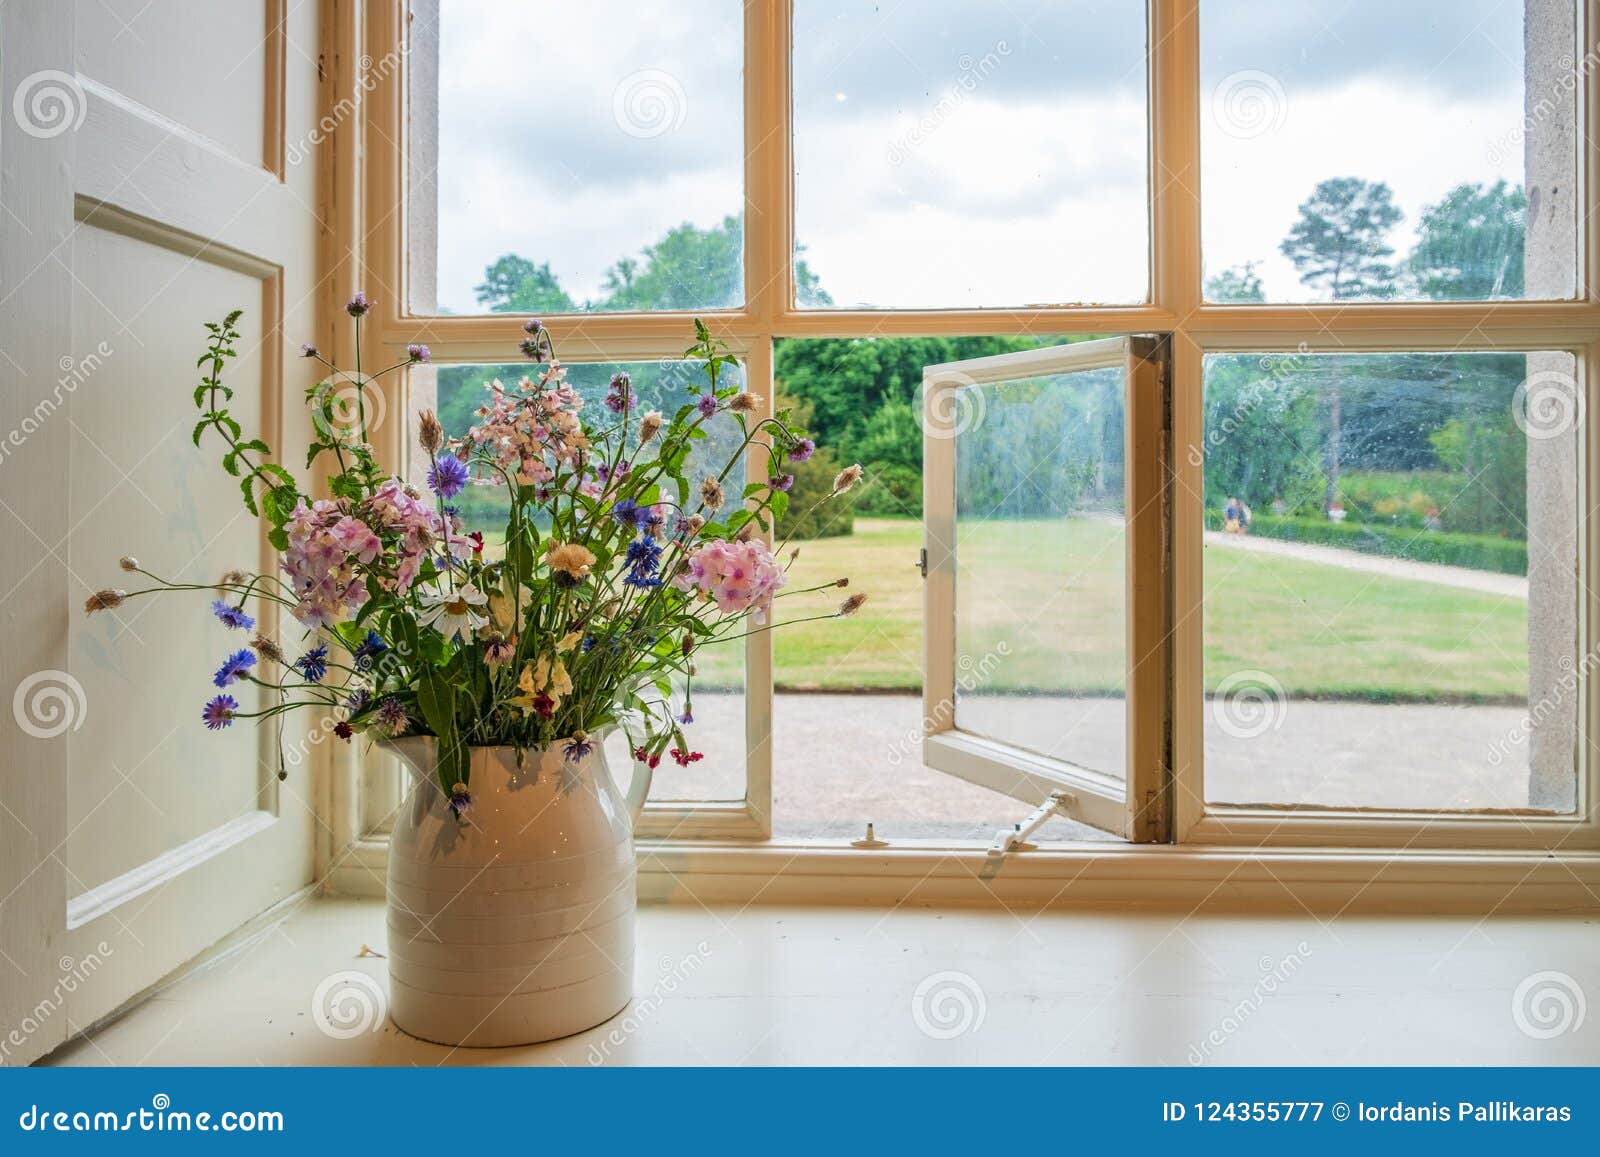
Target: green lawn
1051,591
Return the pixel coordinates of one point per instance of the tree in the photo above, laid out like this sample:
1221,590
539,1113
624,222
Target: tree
1341,244
1470,244
1241,283
516,285
694,268
1341,241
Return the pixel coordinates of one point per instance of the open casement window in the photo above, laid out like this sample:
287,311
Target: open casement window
1047,600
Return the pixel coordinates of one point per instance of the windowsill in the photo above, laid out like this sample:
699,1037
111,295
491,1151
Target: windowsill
1178,877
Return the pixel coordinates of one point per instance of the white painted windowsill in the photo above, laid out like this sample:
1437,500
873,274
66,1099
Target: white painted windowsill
1152,876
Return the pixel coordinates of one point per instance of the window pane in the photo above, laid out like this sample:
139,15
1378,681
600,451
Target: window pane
848,713
577,157
1390,587
1041,615
456,391
970,154
1371,151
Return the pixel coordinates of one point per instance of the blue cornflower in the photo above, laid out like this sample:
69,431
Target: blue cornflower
644,559
447,476
219,711
578,747
357,699
234,667
371,647
587,644
231,615
313,664
626,512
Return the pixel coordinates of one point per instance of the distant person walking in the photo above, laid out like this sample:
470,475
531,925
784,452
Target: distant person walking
1235,517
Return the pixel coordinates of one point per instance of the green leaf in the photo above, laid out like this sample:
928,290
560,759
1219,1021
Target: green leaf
247,488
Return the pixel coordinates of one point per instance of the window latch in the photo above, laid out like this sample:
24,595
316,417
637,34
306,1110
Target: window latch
1015,838
922,561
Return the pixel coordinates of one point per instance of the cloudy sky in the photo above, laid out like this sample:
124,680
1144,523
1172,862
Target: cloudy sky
948,153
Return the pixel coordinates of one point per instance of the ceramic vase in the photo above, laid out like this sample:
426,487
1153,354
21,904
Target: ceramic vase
513,922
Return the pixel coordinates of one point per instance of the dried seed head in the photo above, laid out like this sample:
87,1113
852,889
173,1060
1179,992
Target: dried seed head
430,434
847,478
103,600
267,649
744,402
128,562
851,605
649,426
711,494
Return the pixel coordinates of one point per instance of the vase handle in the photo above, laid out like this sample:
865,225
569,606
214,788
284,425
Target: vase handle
639,789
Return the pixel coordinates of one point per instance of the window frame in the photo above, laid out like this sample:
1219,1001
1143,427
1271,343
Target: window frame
368,214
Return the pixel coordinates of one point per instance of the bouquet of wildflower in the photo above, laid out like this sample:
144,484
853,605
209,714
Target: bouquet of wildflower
617,567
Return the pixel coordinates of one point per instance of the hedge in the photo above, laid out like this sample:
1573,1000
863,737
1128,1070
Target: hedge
1476,551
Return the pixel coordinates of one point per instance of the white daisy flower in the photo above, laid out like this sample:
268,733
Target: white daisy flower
452,612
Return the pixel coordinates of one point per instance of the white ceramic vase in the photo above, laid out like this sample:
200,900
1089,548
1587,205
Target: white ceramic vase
514,923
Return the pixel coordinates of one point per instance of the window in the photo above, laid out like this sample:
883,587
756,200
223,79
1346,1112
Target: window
718,691
1374,151
1303,562
619,120
1391,610
977,155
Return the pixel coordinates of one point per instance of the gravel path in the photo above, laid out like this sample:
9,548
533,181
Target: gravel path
840,760
1490,582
